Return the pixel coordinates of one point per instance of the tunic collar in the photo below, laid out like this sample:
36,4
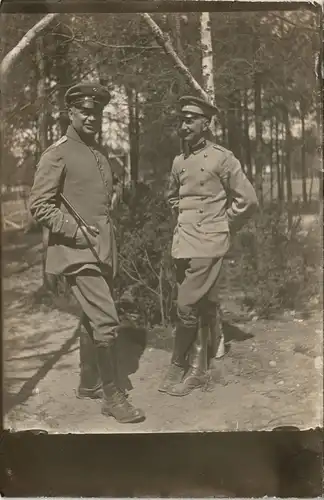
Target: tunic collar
72,134
201,144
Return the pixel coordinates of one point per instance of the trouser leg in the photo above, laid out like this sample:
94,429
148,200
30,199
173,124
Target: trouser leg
92,290
93,293
200,276
90,382
211,339
185,334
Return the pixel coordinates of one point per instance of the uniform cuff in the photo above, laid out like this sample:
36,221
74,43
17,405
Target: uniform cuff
69,227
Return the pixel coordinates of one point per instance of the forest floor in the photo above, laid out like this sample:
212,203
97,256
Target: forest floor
271,376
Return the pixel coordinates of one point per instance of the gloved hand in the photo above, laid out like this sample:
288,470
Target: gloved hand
81,240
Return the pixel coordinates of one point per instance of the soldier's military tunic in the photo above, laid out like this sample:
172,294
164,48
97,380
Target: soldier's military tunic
212,198
83,174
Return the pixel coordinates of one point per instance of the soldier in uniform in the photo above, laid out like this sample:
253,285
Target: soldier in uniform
76,167
212,198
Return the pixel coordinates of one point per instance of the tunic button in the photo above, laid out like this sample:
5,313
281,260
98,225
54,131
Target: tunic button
205,155
179,225
199,224
183,170
201,210
201,183
202,169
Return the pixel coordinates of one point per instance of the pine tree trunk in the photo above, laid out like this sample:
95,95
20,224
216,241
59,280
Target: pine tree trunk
181,54
247,142
278,165
282,163
63,77
258,137
240,154
41,97
224,128
303,154
177,26
234,125
271,159
103,81
320,128
288,148
42,127
133,109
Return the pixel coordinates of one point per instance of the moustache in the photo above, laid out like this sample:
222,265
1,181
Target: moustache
183,132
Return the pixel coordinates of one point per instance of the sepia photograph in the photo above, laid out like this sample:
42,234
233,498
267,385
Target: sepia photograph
161,200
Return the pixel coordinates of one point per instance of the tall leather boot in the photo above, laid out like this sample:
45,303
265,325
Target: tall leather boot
216,334
196,375
184,338
115,404
90,386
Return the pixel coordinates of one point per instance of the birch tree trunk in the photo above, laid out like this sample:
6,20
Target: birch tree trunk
207,62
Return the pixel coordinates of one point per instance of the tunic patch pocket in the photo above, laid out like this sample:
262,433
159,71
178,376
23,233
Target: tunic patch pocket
216,226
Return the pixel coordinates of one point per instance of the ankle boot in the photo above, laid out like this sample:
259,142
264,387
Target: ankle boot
90,386
184,337
216,334
115,403
196,376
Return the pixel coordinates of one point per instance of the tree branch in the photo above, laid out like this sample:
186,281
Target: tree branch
139,279
169,50
150,264
288,21
12,56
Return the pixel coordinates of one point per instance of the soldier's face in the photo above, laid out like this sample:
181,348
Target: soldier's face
193,128
85,121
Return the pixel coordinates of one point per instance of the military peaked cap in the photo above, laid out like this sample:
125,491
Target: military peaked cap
87,95
195,106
